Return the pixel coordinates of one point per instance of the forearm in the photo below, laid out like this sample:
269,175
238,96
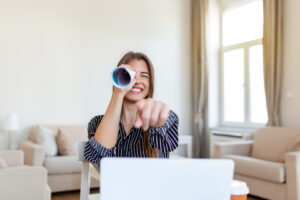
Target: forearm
107,132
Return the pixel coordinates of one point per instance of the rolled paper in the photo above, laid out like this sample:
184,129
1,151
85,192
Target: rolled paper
122,77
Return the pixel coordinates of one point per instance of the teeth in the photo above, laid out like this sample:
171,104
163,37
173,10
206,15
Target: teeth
135,90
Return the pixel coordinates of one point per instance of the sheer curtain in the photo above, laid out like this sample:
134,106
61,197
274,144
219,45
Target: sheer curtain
199,78
272,44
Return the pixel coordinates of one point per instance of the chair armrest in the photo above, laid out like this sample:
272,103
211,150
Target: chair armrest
34,153
13,158
292,164
25,182
242,148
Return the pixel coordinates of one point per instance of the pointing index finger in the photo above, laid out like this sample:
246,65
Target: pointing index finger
140,104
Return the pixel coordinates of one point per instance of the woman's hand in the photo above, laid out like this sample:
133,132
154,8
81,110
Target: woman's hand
123,91
151,113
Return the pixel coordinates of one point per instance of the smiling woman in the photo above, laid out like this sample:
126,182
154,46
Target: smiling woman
134,125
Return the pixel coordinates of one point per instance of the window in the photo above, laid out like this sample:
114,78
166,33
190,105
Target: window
242,95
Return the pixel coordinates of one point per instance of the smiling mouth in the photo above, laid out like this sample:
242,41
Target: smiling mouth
136,90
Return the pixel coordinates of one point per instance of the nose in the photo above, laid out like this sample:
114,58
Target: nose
137,78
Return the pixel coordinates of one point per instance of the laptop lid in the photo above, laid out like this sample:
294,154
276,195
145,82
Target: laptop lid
163,179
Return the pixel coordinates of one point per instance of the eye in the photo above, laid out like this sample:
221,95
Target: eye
145,76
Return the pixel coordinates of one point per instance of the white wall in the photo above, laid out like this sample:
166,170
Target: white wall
56,56
290,106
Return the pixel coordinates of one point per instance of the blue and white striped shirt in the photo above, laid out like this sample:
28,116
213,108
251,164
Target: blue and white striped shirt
164,138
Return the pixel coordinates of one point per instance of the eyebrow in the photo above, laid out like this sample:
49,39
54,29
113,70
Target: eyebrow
145,73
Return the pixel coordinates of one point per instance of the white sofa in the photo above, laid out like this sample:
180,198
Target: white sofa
270,164
64,172
22,182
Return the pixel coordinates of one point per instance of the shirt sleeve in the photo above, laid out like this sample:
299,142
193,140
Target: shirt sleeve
94,151
165,138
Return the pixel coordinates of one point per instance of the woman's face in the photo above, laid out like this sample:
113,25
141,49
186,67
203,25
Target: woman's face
141,87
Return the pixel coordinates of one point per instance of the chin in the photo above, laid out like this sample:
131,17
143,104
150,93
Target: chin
135,97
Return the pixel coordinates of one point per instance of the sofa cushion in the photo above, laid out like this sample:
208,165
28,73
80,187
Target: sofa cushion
76,132
261,169
273,143
65,144
46,138
62,164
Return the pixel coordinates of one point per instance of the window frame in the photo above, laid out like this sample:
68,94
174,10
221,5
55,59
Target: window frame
225,5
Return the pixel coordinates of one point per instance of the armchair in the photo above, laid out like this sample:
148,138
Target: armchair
270,164
64,172
22,182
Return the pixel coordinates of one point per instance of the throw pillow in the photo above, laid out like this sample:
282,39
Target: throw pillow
65,144
2,163
46,138
295,145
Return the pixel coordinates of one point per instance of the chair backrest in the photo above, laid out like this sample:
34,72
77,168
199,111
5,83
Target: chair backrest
272,143
80,146
80,150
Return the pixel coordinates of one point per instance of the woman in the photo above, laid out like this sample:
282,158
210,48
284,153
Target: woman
134,125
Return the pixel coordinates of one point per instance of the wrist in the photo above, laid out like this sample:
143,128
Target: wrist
118,95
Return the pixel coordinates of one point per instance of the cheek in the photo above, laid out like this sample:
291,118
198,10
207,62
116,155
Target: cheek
147,86
146,91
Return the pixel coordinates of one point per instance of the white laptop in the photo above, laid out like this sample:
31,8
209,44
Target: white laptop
165,179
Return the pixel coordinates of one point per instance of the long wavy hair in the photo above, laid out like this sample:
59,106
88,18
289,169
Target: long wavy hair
151,152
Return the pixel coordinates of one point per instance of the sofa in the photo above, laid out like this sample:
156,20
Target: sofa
22,182
64,172
270,164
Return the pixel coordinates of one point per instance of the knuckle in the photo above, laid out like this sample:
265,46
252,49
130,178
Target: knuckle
165,106
149,100
139,104
164,117
158,104
153,119
145,117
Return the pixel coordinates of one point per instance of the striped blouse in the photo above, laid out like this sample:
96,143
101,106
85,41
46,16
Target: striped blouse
164,138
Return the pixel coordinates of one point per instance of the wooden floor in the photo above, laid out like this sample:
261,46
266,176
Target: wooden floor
75,195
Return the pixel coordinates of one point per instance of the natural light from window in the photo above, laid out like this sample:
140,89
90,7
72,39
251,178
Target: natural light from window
243,93
234,85
243,23
257,92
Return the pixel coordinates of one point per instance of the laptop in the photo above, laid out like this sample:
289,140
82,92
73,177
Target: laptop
164,179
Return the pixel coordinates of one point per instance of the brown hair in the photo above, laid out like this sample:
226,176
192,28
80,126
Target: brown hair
151,152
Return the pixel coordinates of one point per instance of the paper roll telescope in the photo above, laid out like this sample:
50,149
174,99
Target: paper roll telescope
122,77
